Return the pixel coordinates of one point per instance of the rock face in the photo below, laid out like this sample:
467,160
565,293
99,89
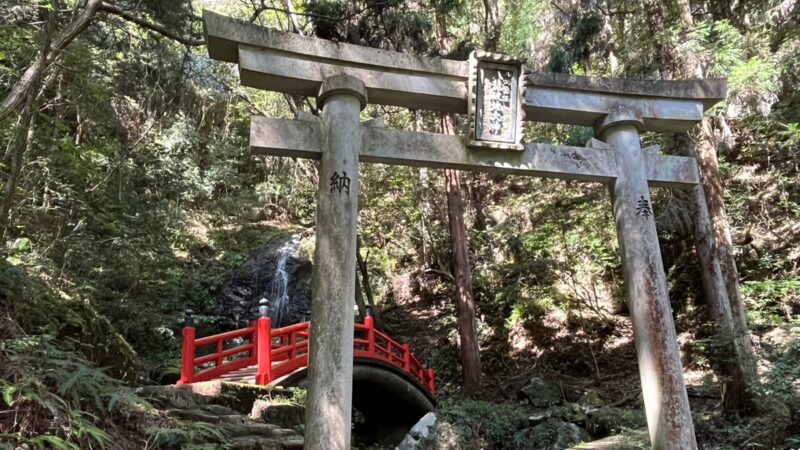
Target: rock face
419,432
185,409
284,414
541,393
278,273
552,434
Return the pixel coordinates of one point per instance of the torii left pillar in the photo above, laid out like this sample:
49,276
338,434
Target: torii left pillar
330,368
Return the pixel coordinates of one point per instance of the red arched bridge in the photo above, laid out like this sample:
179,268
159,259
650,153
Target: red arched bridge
262,355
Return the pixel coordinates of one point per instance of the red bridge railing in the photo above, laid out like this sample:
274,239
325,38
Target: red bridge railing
281,351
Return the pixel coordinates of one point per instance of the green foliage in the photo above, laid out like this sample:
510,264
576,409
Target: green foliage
770,301
781,381
59,399
190,436
489,424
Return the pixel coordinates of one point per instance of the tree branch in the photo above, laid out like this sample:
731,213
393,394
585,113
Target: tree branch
37,69
264,7
117,11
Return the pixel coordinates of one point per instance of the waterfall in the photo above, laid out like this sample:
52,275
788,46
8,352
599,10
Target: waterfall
278,293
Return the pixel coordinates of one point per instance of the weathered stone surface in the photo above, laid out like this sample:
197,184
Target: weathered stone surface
291,63
296,138
629,440
287,415
253,443
660,370
419,432
552,434
709,91
224,35
672,106
591,398
608,420
330,371
541,393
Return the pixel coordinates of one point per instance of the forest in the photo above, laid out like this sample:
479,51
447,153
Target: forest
130,195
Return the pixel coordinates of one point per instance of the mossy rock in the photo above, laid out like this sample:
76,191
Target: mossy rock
552,434
541,393
628,440
609,420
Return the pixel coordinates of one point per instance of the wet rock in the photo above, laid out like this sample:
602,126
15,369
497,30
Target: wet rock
572,412
284,414
628,440
253,443
552,434
278,269
419,432
591,398
541,393
608,420
536,419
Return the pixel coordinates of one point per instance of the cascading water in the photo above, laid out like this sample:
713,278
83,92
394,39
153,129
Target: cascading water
278,293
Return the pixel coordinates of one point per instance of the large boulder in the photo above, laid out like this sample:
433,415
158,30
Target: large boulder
279,272
282,413
552,434
541,393
609,420
419,432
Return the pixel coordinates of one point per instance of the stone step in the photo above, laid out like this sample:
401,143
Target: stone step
629,440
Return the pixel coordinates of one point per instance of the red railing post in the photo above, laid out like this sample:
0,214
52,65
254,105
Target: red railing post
220,349
407,358
187,349
254,340
264,345
369,322
432,382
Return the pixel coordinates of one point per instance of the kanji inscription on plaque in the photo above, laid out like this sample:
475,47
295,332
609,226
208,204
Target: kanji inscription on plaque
495,117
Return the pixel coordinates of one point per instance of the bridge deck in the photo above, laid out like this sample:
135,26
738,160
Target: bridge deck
261,355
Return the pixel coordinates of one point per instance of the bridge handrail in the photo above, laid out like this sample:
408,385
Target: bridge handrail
279,352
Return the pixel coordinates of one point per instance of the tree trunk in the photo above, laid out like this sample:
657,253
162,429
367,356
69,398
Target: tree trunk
361,267
35,73
654,11
465,304
723,254
741,371
734,392
23,140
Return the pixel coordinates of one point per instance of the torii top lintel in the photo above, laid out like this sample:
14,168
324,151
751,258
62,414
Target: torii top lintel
291,63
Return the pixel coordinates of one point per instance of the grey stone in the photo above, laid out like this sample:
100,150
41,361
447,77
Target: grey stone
218,410
628,440
536,419
419,432
253,443
302,139
330,372
553,434
608,420
660,370
541,393
591,398
286,415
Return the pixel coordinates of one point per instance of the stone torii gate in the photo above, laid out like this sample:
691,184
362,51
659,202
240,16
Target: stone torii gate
497,96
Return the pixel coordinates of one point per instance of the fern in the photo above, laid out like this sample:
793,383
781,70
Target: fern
50,441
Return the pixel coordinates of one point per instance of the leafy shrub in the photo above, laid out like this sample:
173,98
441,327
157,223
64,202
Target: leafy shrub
490,424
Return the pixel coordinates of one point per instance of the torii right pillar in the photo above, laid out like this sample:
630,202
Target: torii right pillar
619,110
665,399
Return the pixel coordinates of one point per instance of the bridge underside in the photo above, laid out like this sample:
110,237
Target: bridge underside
387,402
